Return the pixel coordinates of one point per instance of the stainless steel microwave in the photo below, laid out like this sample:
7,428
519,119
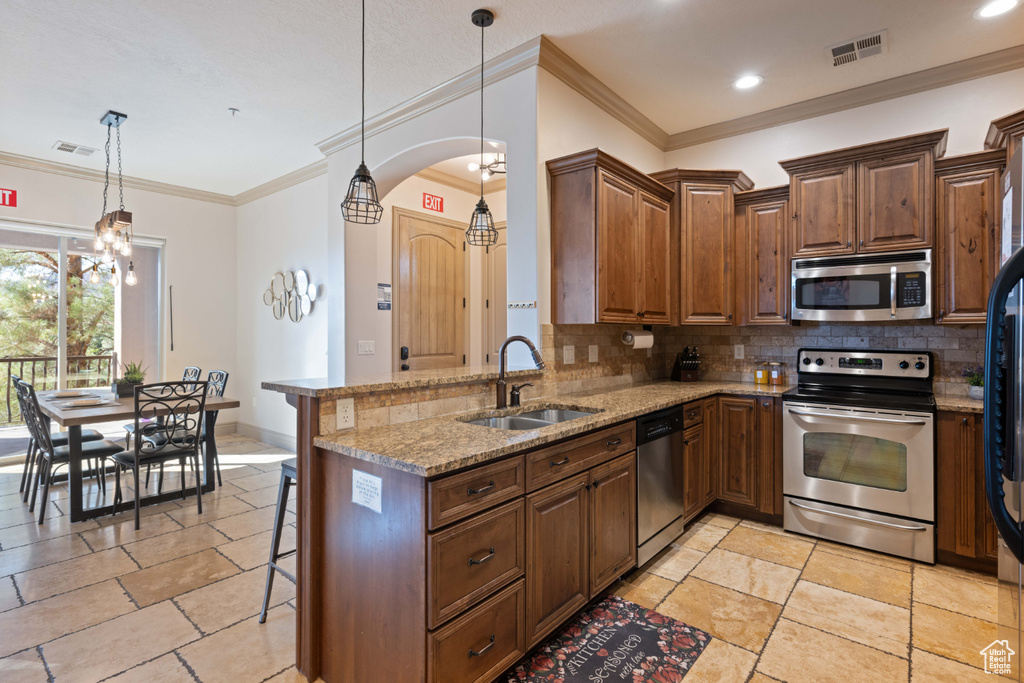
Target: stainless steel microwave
884,286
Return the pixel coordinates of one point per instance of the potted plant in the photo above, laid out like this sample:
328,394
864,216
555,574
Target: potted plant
133,375
975,382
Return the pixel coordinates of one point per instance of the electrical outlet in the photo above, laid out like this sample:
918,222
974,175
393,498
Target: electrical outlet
364,348
737,351
346,413
593,353
568,354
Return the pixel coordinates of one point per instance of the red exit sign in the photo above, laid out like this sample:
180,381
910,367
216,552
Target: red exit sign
10,197
433,202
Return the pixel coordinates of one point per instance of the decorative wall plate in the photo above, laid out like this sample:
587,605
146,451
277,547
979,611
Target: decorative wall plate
291,293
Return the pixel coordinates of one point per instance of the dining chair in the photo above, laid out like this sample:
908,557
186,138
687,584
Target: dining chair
168,424
216,382
50,456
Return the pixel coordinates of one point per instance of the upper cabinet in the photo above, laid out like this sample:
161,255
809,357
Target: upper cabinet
762,256
967,227
704,220
1007,132
876,197
610,243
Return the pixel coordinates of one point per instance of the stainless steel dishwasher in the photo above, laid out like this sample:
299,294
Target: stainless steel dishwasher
659,482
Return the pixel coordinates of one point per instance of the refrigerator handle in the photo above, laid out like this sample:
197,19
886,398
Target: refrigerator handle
1000,417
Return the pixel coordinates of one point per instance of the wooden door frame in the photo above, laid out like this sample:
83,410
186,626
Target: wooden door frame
485,279
396,213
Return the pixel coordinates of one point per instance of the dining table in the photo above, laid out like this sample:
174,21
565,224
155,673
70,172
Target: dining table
72,419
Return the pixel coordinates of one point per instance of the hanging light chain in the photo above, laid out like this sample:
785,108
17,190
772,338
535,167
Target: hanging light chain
362,89
120,182
106,176
481,107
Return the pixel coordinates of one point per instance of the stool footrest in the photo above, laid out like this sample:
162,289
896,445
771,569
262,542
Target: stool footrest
283,572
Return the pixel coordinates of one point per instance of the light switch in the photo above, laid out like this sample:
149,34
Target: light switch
593,353
568,354
365,348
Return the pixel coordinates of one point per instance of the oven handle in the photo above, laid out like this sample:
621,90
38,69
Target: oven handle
901,527
859,417
892,292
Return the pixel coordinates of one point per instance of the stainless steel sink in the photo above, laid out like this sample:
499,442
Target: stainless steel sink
555,415
512,422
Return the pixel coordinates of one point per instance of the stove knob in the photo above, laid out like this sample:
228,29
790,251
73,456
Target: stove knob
919,365
819,362
807,361
904,365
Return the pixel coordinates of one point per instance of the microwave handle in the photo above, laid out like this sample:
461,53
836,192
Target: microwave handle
892,292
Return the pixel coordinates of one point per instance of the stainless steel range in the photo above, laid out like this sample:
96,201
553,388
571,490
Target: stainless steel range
859,450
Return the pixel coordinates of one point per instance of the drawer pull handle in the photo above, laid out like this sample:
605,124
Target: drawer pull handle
597,482
482,559
614,442
474,653
563,461
472,491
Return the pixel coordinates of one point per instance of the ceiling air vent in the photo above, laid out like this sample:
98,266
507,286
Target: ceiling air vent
72,148
856,49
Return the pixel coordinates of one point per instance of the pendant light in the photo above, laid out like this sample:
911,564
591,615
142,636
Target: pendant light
114,231
361,204
481,232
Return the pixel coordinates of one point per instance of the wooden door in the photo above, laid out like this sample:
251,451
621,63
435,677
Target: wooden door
695,472
618,296
430,298
894,207
967,226
707,244
612,521
767,280
767,456
557,554
712,429
495,278
655,261
738,454
823,211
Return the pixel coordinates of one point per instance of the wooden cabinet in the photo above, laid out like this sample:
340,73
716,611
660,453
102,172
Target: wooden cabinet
762,280
712,432
612,521
965,533
1006,133
750,453
703,218
700,457
768,445
967,227
610,243
876,197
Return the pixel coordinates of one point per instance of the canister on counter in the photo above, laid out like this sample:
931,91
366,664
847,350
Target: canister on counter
761,373
776,372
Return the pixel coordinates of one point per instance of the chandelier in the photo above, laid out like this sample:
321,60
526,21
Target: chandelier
114,233
481,231
491,164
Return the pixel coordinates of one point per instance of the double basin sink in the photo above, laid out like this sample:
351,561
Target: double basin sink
533,419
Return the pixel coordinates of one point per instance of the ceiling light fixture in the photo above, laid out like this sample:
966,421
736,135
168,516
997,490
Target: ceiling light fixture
994,8
481,232
361,204
114,231
491,165
747,82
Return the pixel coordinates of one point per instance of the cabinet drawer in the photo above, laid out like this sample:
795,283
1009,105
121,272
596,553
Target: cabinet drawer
554,463
461,495
693,413
482,643
470,560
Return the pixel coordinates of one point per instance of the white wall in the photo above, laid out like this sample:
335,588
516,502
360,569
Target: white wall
965,108
283,231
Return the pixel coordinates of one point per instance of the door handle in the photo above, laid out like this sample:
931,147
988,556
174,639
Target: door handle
901,527
859,417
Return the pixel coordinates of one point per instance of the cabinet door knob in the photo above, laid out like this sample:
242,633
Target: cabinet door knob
766,404
862,243
641,314
848,243
964,420
686,442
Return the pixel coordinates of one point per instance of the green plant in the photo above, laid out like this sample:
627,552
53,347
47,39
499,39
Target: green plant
975,376
133,374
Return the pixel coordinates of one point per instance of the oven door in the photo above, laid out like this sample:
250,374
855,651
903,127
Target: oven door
881,461
857,292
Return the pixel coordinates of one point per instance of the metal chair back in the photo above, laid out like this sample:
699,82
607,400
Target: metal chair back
38,427
191,374
216,381
180,407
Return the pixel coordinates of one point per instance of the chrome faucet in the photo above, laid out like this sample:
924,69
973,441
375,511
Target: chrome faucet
502,397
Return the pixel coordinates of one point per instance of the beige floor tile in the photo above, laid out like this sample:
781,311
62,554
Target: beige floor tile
24,667
734,617
791,551
166,669
20,515
41,622
248,652
53,527
230,473
927,668
227,602
676,563
961,573
704,538
140,636
219,508
261,498
249,523
62,577
716,519
159,549
863,620
758,526
871,580
292,675
798,654
956,594
122,532
865,555
949,634
40,554
254,551
759,677
8,594
746,574
170,579
720,662
646,590
257,481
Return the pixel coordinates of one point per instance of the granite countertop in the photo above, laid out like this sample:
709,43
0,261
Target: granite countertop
331,387
960,404
444,444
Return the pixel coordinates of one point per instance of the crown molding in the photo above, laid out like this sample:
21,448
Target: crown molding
313,170
919,81
437,176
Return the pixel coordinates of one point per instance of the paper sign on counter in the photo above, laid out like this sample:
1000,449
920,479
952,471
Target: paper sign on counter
366,490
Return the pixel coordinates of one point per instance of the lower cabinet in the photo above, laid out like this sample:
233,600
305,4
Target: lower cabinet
965,532
700,460
749,453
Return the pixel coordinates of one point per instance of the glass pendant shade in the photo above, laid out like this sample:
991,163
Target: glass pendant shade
126,248
481,231
361,204
98,244
130,279
117,241
95,277
115,279
106,257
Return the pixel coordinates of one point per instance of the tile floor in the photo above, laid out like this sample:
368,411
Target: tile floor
176,601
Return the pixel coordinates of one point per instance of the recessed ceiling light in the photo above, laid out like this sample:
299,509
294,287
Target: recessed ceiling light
994,8
752,81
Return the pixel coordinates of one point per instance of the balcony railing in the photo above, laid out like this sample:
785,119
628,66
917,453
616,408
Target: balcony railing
41,372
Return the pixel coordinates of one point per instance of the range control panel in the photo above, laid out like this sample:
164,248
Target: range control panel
911,364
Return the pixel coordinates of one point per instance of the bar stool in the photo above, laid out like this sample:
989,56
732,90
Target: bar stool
288,479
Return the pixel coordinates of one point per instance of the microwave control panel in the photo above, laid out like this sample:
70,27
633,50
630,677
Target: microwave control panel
910,290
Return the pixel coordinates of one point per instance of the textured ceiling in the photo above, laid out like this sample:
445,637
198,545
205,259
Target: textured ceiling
292,67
